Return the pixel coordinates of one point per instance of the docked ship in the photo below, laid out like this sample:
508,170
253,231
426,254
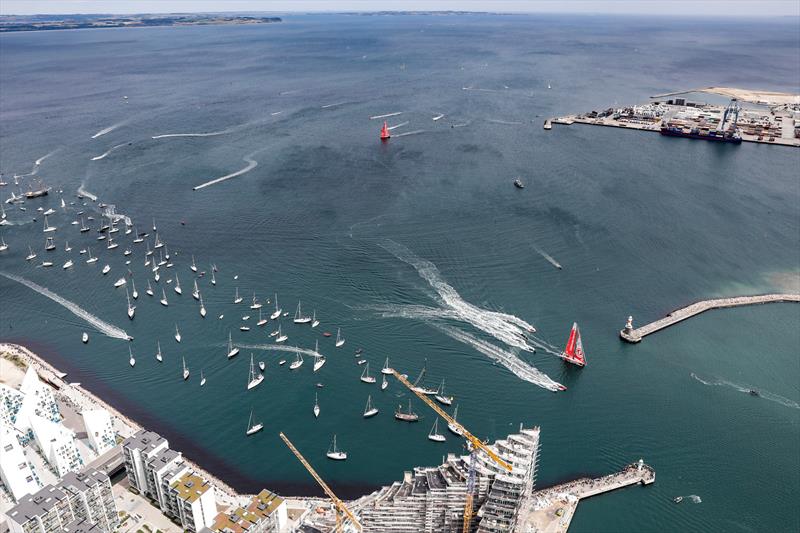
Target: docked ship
672,130
43,191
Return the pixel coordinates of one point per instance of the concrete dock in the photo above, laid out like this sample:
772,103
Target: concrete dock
632,335
551,510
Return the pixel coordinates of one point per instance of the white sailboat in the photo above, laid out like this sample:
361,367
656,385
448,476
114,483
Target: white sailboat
177,287
131,308
213,277
49,244
434,435
120,282
319,359
185,369
297,363
256,304
131,360
193,267
334,453
316,406
195,291
237,299
127,252
47,263
47,227
32,255
106,269
177,334
261,321
202,378
134,292
149,252
370,410
164,301
154,225
253,427
278,310
84,227
111,244
281,337
138,237
255,377
455,429
339,338
441,397
67,247
232,351
298,316
365,377
202,308
159,358
314,321
68,264
386,368
157,244
384,383
149,289
3,245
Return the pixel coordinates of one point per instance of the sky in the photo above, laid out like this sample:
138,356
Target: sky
745,8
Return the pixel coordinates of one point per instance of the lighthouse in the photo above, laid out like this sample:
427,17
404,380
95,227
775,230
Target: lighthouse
385,132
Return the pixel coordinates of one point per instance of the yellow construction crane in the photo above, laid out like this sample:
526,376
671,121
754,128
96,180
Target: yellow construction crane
340,506
477,444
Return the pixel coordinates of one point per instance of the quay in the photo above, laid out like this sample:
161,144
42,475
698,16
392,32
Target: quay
632,335
551,510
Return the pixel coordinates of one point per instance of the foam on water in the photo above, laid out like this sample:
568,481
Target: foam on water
390,128
777,398
103,155
87,194
251,164
387,115
109,129
277,348
415,132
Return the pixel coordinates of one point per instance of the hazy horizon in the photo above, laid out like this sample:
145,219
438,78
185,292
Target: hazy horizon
733,8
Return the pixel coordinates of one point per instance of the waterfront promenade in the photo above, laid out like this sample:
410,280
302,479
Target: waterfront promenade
632,335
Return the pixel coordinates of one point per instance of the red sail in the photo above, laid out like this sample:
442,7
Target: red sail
573,352
385,131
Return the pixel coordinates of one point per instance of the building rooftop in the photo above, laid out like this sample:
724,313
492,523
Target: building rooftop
264,503
84,480
35,504
144,440
190,487
163,458
82,526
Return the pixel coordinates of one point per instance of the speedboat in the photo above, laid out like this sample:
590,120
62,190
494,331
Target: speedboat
518,184
85,338
754,392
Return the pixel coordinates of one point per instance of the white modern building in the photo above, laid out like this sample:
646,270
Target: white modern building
100,430
16,472
10,404
58,444
137,450
195,500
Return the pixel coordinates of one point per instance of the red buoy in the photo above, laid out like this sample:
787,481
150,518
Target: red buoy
385,131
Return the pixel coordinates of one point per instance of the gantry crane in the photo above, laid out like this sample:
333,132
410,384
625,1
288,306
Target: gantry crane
475,442
339,505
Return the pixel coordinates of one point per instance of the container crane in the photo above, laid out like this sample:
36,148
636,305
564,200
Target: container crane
340,507
475,442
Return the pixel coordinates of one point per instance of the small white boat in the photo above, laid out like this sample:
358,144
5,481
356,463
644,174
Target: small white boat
177,334
245,318
361,362
131,360
384,383
85,338
261,321
298,316
120,282
149,252
255,378
159,358
49,244
164,301
339,338
213,278
68,264
281,337
232,351
47,227
106,269
202,308
149,289
237,299
3,245
434,434
282,362
455,429
314,321
262,365
202,378
253,427
134,292
111,244
334,453
31,254
47,263
278,310
185,369
316,406
386,368
177,287
297,363
441,397
127,252
193,267
157,276
67,247
91,259
131,308
244,328
195,291
370,410
274,334
319,359
154,225
157,244
365,377
101,237
255,304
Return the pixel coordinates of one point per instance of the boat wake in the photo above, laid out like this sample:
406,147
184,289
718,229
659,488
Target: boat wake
504,327
251,164
333,105
39,161
409,133
206,134
101,326
506,122
277,348
387,115
103,155
695,498
777,398
390,128
87,194
109,129
548,257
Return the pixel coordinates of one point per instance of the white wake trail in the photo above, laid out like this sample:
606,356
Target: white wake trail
547,256
415,132
390,128
251,164
333,105
277,348
387,115
777,398
109,129
103,155
101,326
39,161
208,134
87,194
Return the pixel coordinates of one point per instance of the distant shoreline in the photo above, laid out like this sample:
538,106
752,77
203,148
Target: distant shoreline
16,23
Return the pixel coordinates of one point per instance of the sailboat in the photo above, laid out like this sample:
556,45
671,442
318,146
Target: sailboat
365,377
319,359
231,350
455,428
134,292
177,287
253,427
158,352
386,368
261,320
120,282
157,243
202,378
154,225
149,289
419,388
410,416
278,310
131,359
434,435
370,410
213,278
314,321
127,252
255,377
185,369
384,383
67,265
138,237
237,299
47,227
3,245
84,227
177,334
106,269
195,291
573,352
91,259
32,255
49,244
316,405
131,308
334,453
111,244
164,301
202,308
281,337
297,363
149,252
193,267
67,247
298,316
157,276
441,397
339,338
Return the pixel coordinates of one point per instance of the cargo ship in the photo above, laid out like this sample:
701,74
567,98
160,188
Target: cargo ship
696,133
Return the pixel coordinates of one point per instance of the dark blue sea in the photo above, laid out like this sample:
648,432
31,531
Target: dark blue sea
421,249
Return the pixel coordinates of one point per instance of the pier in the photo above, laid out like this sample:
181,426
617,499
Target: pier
551,510
632,335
